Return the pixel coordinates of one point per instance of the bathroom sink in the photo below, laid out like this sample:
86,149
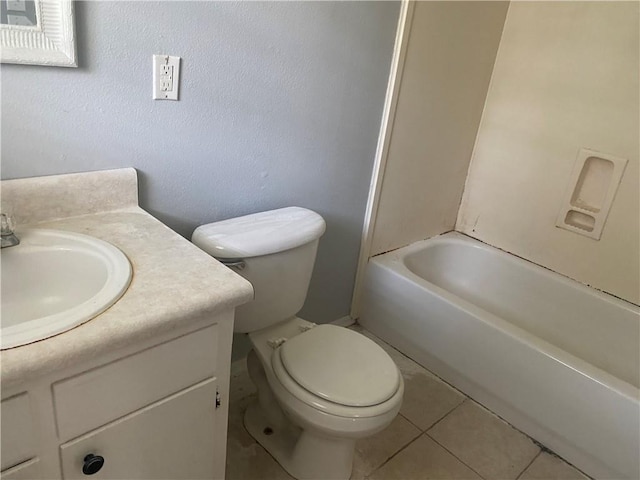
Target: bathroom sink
54,281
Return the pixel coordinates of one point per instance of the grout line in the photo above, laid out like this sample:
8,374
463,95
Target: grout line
528,465
446,415
456,457
394,455
470,399
425,430
398,451
419,429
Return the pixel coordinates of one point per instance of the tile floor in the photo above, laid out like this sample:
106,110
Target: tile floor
439,434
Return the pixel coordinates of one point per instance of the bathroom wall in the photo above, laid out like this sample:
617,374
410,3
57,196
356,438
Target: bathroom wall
280,104
449,59
566,77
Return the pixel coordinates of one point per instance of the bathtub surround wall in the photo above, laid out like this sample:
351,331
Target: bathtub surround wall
449,58
280,104
566,78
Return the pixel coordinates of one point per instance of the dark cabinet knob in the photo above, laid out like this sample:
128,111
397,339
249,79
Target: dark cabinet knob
92,464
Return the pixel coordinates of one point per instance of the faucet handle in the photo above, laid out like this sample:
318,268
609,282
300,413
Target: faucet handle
6,224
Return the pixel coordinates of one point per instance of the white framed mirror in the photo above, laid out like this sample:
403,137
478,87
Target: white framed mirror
37,32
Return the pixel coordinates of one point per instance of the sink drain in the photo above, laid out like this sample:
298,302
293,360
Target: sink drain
268,431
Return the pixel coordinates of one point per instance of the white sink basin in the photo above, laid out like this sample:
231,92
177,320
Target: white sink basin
54,281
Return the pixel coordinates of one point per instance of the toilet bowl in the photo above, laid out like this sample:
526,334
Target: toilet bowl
320,387
311,429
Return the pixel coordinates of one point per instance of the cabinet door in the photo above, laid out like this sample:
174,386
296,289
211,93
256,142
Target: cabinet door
17,443
28,470
170,439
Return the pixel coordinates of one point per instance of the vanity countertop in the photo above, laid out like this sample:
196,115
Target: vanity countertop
174,282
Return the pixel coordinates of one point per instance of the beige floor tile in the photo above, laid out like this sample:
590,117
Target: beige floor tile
374,451
424,459
246,460
490,446
240,384
235,428
252,462
550,467
426,398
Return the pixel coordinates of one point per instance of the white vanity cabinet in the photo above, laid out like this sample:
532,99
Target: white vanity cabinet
173,438
155,412
143,386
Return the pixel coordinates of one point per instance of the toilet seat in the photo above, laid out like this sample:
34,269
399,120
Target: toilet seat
337,371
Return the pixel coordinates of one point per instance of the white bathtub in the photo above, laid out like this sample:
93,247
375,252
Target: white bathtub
557,359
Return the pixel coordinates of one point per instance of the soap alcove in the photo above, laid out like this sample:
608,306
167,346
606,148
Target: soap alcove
594,181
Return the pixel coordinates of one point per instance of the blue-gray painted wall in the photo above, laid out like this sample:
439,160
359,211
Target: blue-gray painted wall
280,104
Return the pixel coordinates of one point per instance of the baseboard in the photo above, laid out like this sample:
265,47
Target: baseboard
345,321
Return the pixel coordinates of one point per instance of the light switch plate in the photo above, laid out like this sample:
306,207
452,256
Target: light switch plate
166,77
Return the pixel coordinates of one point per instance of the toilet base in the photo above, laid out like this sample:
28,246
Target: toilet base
303,454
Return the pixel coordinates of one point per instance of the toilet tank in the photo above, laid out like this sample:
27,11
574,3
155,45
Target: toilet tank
278,251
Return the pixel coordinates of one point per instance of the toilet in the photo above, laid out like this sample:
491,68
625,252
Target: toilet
320,387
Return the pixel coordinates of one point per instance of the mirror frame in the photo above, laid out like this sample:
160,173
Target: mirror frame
51,42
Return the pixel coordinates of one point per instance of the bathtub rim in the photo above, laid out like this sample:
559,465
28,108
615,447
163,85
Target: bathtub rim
395,262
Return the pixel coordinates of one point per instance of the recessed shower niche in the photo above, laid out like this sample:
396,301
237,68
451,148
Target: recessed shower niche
594,181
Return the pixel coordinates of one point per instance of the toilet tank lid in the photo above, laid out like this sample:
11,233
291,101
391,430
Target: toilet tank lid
261,233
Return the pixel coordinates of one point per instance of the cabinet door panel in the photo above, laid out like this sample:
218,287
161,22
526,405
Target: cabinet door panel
17,430
29,470
171,439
